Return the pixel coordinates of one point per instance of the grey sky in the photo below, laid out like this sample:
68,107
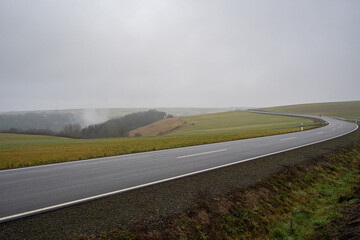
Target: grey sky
113,53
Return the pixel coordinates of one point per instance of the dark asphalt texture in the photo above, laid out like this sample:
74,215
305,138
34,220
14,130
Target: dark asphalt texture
27,191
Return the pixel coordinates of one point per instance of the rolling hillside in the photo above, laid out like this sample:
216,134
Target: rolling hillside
239,122
349,110
56,120
162,127
220,123
18,150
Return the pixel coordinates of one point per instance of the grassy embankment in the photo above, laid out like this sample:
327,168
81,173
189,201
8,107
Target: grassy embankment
302,202
26,150
349,110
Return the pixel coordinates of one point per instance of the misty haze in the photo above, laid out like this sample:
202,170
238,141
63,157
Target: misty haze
151,54
157,119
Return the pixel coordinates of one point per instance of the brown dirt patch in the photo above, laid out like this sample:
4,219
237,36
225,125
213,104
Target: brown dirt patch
161,127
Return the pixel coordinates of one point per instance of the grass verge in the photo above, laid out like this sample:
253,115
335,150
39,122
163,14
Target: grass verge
297,203
152,209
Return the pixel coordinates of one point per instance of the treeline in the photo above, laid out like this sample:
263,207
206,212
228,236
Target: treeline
118,127
34,121
31,131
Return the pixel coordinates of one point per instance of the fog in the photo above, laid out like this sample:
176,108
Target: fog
103,54
93,116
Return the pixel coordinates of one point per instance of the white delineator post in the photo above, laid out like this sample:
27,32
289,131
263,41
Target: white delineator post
302,127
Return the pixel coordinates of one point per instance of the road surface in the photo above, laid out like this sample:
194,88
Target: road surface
32,190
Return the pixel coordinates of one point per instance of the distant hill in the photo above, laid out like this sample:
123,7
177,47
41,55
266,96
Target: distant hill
180,112
29,121
349,110
216,124
56,120
120,127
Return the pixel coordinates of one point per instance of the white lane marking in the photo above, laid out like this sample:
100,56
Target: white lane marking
333,129
126,155
285,139
53,207
319,132
197,154
67,204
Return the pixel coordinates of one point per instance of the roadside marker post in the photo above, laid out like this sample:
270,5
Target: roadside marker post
302,127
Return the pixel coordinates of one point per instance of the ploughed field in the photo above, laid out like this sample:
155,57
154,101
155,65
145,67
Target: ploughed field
17,150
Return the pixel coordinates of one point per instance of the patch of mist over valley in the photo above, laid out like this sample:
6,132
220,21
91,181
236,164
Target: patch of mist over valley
56,120
94,116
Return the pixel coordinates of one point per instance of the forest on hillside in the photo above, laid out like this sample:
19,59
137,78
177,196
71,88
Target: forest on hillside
31,121
117,127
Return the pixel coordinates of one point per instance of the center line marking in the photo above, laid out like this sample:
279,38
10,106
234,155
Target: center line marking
319,132
284,139
197,154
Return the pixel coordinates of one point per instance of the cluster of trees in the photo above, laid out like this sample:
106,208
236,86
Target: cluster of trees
118,127
31,131
35,121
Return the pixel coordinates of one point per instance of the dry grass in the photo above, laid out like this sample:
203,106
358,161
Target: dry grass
161,127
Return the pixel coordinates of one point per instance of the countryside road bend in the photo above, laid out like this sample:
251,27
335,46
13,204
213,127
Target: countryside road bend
32,190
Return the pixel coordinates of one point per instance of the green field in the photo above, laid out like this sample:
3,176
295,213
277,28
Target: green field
8,139
349,110
238,122
18,150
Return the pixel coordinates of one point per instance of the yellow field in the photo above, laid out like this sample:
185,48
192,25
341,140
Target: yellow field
18,150
161,127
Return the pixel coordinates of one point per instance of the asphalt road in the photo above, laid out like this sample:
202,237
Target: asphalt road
32,190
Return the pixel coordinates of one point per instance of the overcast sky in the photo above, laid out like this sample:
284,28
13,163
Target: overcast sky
59,54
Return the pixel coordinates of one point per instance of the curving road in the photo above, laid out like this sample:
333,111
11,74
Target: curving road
32,190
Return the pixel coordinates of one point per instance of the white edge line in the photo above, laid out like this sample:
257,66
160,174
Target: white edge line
203,153
36,211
